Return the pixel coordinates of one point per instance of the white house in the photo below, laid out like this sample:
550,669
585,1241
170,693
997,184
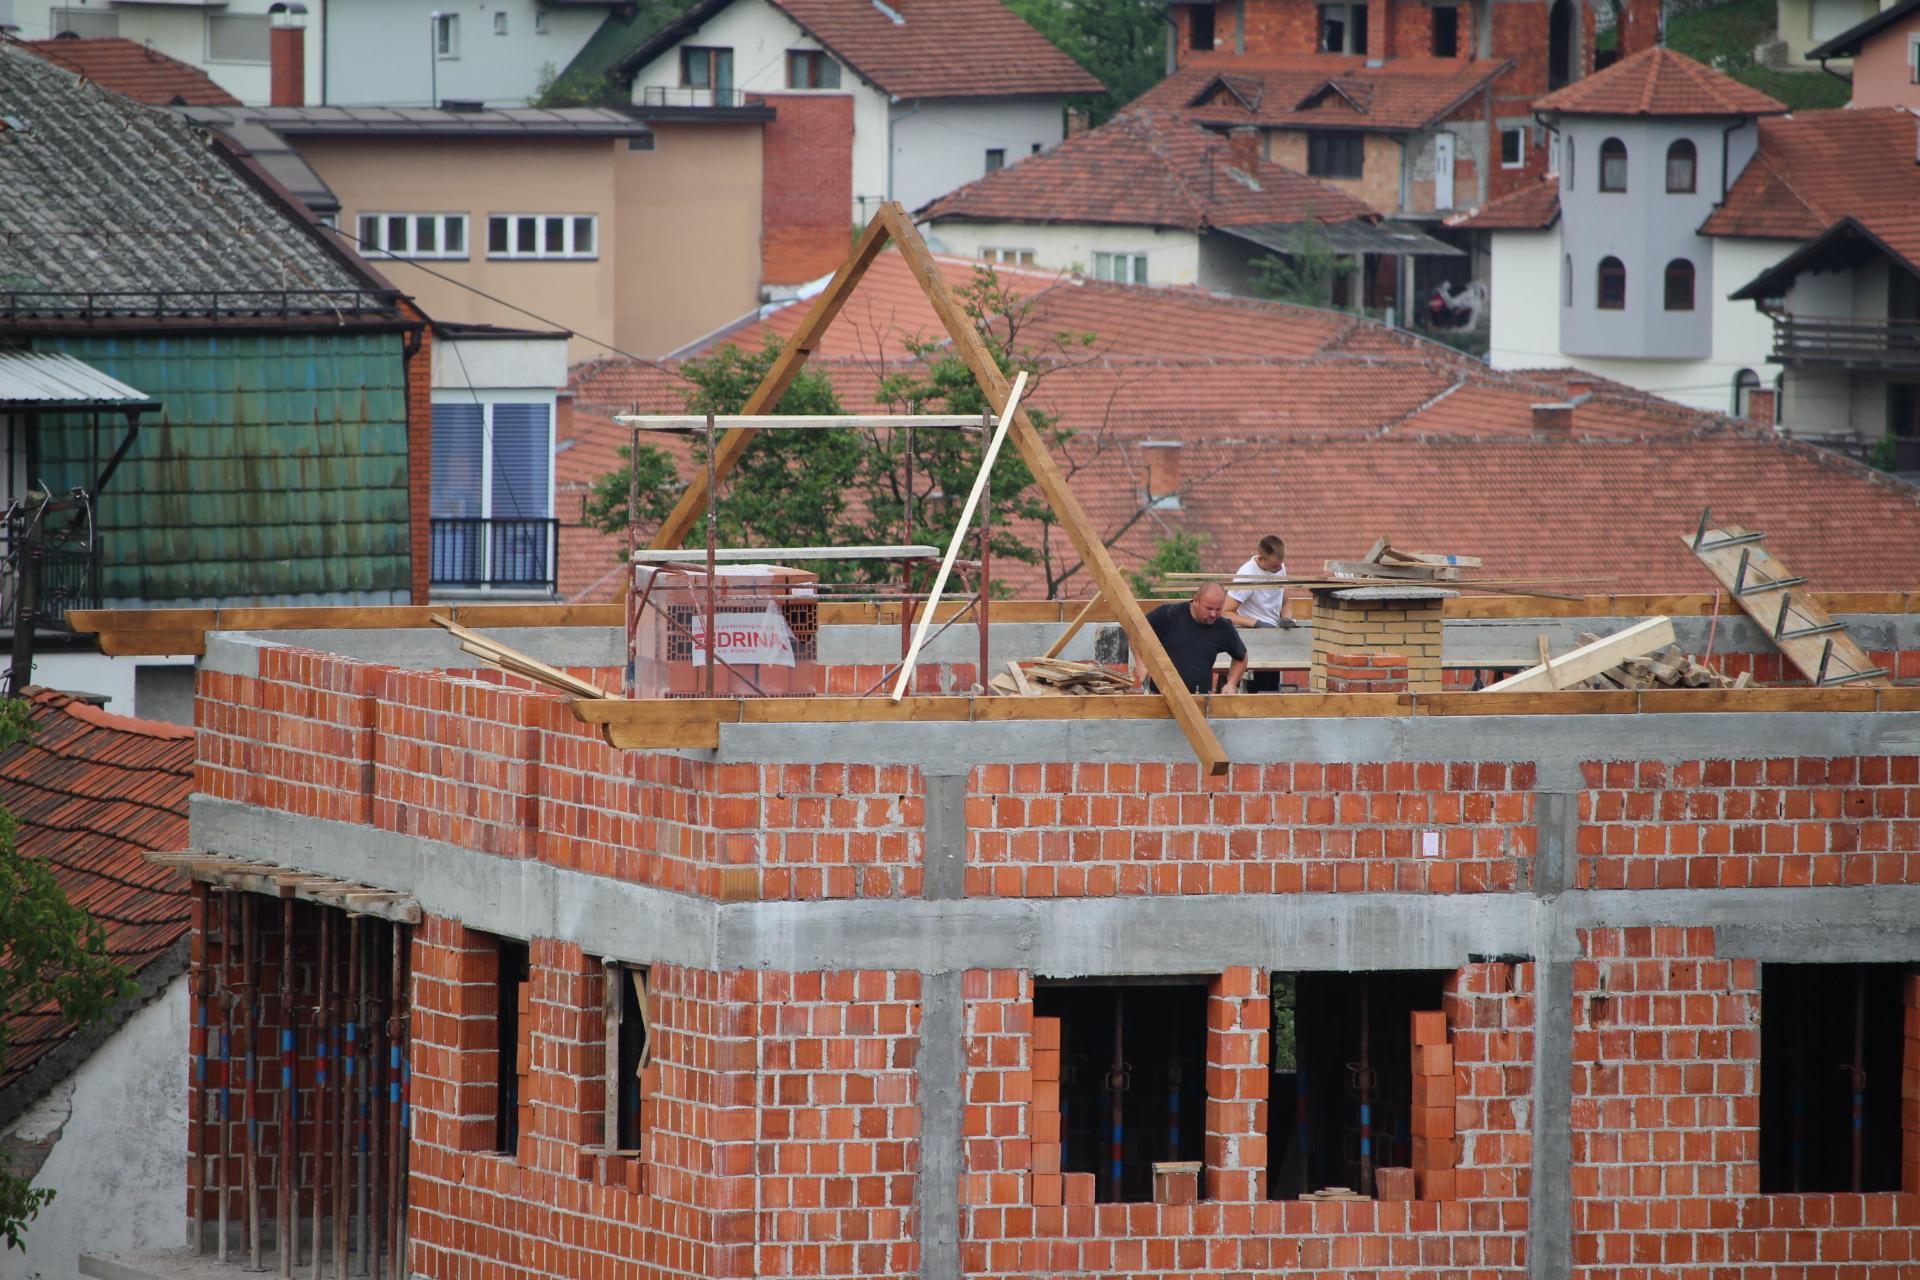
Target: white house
942,91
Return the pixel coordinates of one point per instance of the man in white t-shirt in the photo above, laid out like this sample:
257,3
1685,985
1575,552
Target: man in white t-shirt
1250,605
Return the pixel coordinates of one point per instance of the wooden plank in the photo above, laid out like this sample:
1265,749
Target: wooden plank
1562,702
122,644
748,555
1590,659
1763,606
1844,698
522,664
766,396
1073,628
94,621
1411,573
972,349
800,421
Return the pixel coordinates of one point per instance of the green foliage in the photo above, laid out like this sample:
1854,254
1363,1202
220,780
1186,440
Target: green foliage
51,952
1305,273
1724,37
1884,454
1175,553
1285,1044
1122,42
577,89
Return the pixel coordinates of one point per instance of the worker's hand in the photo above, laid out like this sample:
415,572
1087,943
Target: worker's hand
1286,624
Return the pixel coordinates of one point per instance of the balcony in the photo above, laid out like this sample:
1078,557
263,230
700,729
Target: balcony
479,554
662,96
1883,346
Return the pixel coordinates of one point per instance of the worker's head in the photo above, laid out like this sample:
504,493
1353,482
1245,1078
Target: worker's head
1271,553
1207,603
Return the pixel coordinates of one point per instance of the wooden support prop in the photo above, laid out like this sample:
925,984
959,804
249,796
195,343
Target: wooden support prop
1589,659
972,349
518,663
1073,628
907,663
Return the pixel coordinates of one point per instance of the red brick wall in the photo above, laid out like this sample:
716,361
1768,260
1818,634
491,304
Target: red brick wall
806,202
1279,26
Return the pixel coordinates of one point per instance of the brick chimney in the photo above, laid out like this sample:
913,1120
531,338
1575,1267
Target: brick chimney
1243,143
1763,407
1578,387
287,54
1553,420
1643,24
1163,472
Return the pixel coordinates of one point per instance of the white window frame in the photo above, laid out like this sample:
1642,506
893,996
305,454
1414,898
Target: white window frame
1008,257
570,225
1120,268
1519,131
377,245
59,12
1913,59
446,37
214,19
499,22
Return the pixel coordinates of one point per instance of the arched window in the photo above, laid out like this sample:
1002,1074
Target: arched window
1744,382
1613,165
1679,285
1682,161
1561,33
1612,295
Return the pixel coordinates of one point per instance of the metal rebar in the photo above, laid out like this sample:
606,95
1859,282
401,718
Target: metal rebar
343,1164
200,984
322,1113
226,1062
403,1029
395,1057
362,981
250,996
286,1236
376,1108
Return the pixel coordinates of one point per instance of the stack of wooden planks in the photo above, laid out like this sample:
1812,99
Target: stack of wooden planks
1388,561
1669,669
517,663
1058,678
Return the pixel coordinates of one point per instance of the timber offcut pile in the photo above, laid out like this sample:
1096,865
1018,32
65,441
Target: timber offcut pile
1058,678
1669,669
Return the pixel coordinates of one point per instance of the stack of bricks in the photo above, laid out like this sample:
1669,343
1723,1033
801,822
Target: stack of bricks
1049,1183
1378,623
1435,1147
1366,673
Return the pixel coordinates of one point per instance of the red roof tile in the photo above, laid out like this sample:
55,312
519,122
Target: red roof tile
1816,167
90,793
1659,82
1534,207
139,71
1320,90
1148,168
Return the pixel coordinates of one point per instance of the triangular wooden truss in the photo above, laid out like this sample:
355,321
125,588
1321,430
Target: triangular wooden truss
893,224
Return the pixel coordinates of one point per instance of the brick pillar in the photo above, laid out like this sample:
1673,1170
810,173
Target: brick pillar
1379,30
1378,622
1239,1015
1366,673
287,67
1763,405
1640,25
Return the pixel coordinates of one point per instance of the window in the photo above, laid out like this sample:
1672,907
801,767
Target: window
1566,282
414,235
513,1056
1343,28
1513,148
1121,268
89,24
811,69
238,37
331,221
1613,165
702,68
446,35
1562,25
1679,285
491,494
539,22
1682,163
541,235
500,22
996,159
1612,291
629,1051
1149,1038
1335,155
1446,31
1342,1057
1011,257
1200,26
1744,382
1830,1063
1913,59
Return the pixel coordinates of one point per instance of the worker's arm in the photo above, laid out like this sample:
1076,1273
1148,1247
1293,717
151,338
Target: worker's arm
1231,614
1234,672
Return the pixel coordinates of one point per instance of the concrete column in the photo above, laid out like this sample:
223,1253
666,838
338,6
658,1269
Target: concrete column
942,1040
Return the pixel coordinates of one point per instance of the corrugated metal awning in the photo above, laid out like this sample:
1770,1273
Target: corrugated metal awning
1348,237
56,380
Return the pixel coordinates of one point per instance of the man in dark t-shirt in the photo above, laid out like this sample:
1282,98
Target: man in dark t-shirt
1193,635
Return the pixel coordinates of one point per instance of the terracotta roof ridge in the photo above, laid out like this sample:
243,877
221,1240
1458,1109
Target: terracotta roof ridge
73,705
1426,404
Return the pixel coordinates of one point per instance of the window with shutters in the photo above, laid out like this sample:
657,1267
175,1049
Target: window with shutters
491,504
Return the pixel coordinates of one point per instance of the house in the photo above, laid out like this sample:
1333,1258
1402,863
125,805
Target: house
233,44
1885,51
90,1111
1151,197
1806,25
1838,190
138,70
636,236
1632,237
874,102
278,387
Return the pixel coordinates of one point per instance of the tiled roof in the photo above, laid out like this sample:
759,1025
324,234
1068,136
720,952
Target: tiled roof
1148,168
1659,82
101,195
1321,90
140,71
915,48
1534,207
1815,168
90,793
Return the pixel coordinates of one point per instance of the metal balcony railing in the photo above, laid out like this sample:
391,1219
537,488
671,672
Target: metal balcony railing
519,554
665,96
1849,344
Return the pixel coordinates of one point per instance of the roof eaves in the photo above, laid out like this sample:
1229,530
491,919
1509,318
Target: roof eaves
666,38
1848,42
1790,266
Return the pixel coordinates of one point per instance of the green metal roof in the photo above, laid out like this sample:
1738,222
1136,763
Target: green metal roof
621,34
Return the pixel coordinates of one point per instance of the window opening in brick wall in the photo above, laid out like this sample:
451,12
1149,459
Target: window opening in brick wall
1200,27
629,1051
515,1057
1133,1079
1831,1046
1341,1098
1446,31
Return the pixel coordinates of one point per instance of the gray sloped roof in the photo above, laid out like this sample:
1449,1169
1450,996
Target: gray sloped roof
54,379
111,208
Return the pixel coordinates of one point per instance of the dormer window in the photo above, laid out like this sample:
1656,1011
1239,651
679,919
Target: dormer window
1682,166
1613,165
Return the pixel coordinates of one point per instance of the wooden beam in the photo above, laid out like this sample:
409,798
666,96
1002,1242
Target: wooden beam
972,349
801,421
1073,628
1589,659
1796,624
765,397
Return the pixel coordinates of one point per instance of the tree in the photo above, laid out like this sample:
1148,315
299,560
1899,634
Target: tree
577,88
1176,553
1122,42
51,953
1305,273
